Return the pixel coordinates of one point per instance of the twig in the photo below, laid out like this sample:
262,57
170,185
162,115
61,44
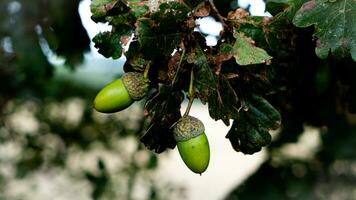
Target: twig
222,19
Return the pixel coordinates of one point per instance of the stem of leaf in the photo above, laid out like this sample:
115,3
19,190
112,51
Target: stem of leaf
147,69
190,93
179,64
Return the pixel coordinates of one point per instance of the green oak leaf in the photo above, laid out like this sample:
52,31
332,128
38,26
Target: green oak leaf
102,8
138,7
224,103
249,132
247,138
122,21
153,44
134,58
276,6
172,13
216,90
109,43
163,108
261,113
165,101
99,8
225,52
253,27
288,13
246,53
162,32
158,137
204,79
335,26
281,34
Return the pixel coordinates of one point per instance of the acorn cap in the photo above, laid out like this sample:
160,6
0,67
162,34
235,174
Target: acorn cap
135,84
187,127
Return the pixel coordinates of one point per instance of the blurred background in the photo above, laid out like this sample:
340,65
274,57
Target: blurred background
53,145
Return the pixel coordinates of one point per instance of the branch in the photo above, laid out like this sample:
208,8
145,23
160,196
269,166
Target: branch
221,18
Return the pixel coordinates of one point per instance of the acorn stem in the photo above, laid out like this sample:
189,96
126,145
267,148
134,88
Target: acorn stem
191,85
191,93
147,69
190,103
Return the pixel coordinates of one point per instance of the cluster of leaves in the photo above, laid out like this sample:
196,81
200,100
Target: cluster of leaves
310,79
224,74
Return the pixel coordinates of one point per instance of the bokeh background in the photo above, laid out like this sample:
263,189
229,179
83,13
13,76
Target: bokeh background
53,145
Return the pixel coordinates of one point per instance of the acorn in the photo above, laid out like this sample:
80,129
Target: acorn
192,143
121,93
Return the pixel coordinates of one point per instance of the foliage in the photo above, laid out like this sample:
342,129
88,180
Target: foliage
337,19
233,90
293,69
301,61
165,35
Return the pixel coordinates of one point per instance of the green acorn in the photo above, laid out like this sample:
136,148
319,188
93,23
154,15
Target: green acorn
192,143
121,93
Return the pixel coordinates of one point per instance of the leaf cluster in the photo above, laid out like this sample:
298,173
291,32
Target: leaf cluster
251,61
